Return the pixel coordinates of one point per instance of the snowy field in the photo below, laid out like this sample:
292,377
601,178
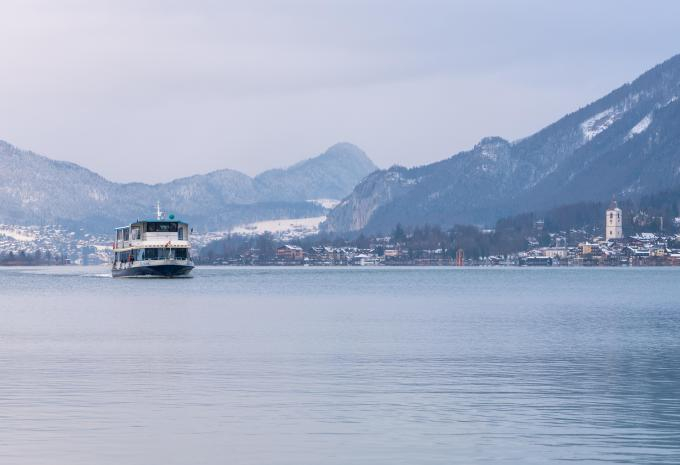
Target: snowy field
18,233
286,228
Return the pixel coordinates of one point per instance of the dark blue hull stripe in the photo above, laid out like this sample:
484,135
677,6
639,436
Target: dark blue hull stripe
166,271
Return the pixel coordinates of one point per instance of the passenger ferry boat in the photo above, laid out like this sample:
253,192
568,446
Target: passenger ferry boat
157,247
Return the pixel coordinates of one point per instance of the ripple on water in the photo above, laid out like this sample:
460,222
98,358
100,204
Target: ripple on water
337,366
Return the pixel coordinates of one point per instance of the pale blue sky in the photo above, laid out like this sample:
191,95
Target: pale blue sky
152,90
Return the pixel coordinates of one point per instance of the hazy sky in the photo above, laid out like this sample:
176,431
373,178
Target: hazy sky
152,90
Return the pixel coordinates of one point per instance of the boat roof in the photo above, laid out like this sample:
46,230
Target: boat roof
161,221
153,221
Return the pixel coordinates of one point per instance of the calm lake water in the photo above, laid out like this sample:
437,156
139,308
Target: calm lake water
340,366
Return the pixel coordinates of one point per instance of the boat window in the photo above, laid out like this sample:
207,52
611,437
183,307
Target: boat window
180,234
161,226
156,254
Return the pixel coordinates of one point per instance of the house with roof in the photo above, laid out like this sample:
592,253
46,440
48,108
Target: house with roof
290,252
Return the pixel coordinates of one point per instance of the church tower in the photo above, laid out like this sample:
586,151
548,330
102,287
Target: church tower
613,222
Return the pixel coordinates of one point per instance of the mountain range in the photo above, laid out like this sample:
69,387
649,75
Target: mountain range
37,190
625,144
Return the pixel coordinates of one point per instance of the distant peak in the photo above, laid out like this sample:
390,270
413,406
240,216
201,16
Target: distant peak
492,141
492,147
343,146
346,151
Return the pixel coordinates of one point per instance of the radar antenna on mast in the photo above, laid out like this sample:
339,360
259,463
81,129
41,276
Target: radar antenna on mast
159,213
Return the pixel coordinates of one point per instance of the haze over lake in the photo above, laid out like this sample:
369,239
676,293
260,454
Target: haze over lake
340,366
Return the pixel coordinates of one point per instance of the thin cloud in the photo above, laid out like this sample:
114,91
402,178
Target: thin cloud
174,88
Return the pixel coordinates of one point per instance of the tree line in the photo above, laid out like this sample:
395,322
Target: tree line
574,223
24,258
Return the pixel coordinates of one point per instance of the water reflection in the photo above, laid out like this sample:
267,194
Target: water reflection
337,366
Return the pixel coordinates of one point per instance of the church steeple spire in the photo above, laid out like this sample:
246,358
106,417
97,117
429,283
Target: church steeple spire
613,222
612,204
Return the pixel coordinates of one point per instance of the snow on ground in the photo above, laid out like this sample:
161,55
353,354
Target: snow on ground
292,227
326,203
76,246
283,229
18,234
640,127
599,123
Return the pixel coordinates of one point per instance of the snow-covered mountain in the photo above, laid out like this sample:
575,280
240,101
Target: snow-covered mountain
626,144
331,175
37,190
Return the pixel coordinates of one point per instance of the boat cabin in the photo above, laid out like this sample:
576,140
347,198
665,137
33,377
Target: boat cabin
157,247
152,240
151,230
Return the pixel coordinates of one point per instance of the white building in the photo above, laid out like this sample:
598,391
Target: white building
554,252
613,222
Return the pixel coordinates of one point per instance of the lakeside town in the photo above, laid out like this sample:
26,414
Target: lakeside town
520,241
640,250
52,245
462,246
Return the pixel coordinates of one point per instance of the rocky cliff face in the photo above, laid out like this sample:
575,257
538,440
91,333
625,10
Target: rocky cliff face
626,143
37,190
